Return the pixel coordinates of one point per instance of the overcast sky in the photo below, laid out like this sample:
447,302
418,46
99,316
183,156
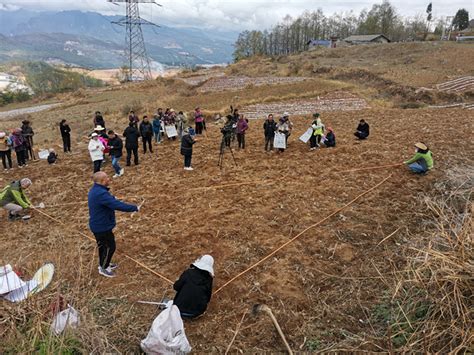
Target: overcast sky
239,14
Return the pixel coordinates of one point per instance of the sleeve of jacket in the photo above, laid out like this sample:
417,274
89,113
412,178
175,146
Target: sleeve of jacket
209,291
111,202
178,285
21,199
413,159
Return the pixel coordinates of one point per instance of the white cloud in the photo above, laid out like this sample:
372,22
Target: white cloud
238,15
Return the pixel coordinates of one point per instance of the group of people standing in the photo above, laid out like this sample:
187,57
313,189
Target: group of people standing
20,141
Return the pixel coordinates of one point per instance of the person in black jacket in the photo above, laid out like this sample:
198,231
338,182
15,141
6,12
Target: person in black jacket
115,145
330,139
131,135
187,149
363,130
28,133
99,120
194,288
146,131
65,135
269,128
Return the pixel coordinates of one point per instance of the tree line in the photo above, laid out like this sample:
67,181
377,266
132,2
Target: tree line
292,35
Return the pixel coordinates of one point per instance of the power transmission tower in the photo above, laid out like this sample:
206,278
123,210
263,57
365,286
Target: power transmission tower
138,63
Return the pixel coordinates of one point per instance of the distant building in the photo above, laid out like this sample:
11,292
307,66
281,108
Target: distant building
367,39
322,43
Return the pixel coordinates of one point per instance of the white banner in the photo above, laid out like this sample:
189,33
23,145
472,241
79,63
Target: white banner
306,135
171,131
279,142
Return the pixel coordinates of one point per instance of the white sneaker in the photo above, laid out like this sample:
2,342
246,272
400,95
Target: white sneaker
122,171
190,168
106,272
116,176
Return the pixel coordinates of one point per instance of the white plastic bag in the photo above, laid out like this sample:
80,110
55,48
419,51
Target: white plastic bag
67,318
43,154
166,335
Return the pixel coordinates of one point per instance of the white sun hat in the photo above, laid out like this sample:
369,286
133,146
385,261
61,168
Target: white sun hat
99,128
206,263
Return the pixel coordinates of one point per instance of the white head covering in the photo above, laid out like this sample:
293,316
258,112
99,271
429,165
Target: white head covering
2,134
99,128
206,263
25,182
94,135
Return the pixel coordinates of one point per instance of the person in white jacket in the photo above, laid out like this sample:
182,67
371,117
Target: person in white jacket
96,150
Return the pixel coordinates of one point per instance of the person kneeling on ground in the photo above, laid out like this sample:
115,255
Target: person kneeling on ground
194,288
187,149
116,146
363,130
102,207
14,200
330,139
52,157
422,161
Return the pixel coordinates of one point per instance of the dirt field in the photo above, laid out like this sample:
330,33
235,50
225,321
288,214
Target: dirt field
327,288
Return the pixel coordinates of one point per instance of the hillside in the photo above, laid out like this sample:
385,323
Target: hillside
89,39
380,260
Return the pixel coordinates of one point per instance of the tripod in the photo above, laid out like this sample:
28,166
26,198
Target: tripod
221,154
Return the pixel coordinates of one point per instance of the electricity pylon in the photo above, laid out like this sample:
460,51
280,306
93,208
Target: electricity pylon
138,63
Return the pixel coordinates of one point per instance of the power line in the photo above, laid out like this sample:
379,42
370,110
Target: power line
138,62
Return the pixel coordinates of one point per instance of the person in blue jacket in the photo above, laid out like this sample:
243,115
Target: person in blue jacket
102,207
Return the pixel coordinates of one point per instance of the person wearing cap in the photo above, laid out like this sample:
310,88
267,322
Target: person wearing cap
187,142
198,120
194,288
131,135
102,206
422,161
269,128
116,146
19,145
14,200
318,132
28,133
363,130
329,140
6,151
96,151
99,120
146,132
65,135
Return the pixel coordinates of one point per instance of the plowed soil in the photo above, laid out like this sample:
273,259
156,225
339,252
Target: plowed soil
322,288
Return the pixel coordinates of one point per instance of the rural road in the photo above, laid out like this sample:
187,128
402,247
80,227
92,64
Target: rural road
26,110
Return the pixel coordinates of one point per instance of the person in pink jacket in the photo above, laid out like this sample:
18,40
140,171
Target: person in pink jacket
198,120
242,126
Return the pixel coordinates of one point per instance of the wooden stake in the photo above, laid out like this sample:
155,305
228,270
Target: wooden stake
235,333
263,308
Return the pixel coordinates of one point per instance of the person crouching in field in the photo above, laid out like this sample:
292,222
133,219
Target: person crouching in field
102,206
187,143
194,288
52,157
14,200
269,128
363,130
329,140
422,161
96,151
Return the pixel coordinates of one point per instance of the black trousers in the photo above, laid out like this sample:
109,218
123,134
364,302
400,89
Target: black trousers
6,156
269,142
106,246
66,143
97,165
199,127
145,141
187,160
241,140
21,157
133,150
360,135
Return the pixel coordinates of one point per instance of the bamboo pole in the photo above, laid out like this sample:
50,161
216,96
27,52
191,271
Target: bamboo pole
371,168
263,308
301,233
92,239
235,333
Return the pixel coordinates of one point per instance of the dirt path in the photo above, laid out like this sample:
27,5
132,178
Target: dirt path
26,110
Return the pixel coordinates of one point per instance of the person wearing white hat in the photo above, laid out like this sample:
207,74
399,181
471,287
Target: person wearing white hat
6,151
194,288
96,151
422,161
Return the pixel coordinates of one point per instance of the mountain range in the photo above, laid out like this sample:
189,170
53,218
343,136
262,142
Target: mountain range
88,39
